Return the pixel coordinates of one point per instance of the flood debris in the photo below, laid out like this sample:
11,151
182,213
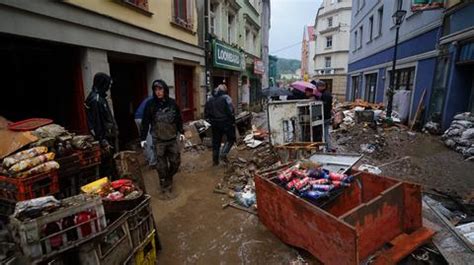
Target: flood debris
460,135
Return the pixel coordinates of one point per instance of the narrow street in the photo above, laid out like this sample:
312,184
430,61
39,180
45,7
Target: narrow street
194,229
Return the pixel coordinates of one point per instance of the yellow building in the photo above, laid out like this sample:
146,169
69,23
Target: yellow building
60,45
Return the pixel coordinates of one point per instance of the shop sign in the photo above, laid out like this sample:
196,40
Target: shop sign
258,67
422,5
225,56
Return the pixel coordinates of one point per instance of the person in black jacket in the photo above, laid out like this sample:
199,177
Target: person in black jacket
326,98
220,113
163,118
100,120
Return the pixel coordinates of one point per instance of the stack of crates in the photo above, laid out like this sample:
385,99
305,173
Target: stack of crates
38,243
89,162
69,170
143,234
13,189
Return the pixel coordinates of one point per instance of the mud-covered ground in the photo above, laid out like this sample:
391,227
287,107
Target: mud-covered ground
429,161
195,229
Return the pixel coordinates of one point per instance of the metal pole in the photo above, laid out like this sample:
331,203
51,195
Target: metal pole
391,90
207,47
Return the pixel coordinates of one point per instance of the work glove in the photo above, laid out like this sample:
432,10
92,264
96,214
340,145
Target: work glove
142,144
181,137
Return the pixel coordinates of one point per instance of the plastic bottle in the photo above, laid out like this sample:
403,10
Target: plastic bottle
314,194
84,217
56,241
319,181
302,183
323,187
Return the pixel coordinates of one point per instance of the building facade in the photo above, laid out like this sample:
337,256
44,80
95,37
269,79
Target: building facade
58,46
331,30
236,52
453,83
372,39
308,48
266,14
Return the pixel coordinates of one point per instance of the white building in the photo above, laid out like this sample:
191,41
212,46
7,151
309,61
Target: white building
331,30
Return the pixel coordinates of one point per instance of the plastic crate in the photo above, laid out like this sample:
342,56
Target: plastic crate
68,175
89,157
20,189
141,222
145,254
31,237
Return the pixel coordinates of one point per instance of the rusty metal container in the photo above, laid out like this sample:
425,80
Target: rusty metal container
348,229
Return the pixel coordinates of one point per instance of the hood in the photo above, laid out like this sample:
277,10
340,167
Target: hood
102,83
162,84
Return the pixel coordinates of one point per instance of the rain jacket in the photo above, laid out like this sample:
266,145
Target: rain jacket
219,108
163,117
100,120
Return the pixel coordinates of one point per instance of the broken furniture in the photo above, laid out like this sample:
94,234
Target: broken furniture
295,121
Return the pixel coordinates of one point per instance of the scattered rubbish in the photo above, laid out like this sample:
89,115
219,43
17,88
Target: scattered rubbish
467,230
371,169
237,206
246,198
367,148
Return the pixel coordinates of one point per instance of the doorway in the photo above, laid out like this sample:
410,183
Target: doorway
41,79
127,92
183,81
370,84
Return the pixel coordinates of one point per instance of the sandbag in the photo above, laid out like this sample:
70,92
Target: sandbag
31,163
30,153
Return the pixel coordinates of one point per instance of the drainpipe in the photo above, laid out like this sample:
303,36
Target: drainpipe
207,47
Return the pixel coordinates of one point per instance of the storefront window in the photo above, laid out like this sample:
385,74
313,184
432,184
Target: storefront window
370,85
439,89
355,87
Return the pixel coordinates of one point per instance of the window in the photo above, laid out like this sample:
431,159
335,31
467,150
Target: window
212,22
327,62
231,29
143,4
355,88
404,78
254,44
248,39
329,42
380,15
370,87
183,13
355,40
361,37
371,28
330,22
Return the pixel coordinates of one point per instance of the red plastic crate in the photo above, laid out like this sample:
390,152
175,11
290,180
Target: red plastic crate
89,157
20,189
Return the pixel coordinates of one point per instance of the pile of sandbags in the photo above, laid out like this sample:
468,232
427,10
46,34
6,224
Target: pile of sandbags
460,135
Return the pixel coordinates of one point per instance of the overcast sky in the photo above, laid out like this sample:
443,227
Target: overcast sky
288,18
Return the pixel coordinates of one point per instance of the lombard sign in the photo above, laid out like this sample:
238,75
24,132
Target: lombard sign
225,56
258,67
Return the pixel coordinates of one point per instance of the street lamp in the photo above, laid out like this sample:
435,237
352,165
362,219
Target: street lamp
397,17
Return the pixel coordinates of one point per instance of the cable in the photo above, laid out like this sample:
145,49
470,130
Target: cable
287,47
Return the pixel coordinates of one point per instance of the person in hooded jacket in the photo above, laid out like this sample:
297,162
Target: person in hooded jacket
220,113
162,118
100,120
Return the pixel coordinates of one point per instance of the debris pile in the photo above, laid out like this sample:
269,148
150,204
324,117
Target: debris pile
349,113
460,135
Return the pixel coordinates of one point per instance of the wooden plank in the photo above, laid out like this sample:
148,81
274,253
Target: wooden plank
413,218
301,224
418,110
403,245
383,213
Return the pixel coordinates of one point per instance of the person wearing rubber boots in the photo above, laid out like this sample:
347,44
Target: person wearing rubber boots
163,118
220,113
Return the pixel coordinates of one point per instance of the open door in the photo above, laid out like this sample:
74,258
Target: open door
183,76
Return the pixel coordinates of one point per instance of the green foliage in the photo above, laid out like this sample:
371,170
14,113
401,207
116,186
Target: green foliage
287,66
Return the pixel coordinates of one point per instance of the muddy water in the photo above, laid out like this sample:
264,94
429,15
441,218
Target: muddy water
194,229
